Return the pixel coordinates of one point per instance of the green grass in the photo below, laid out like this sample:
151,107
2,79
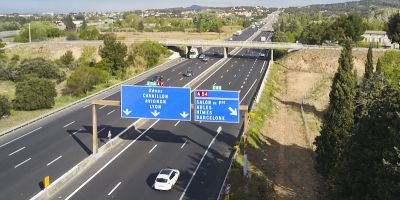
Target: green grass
7,88
18,117
257,187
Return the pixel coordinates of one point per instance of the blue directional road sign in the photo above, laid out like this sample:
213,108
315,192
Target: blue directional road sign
167,103
216,106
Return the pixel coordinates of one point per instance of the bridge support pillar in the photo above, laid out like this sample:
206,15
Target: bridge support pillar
187,49
225,52
272,56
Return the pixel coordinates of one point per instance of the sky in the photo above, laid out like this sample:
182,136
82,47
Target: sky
65,6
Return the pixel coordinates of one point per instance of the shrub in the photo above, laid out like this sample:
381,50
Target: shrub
83,79
34,94
90,33
67,59
5,106
72,35
40,68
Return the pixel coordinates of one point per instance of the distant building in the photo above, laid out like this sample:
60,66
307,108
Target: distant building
378,37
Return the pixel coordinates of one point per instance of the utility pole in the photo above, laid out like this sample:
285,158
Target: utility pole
30,37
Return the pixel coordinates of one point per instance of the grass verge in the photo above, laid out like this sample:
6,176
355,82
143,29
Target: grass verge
257,186
19,117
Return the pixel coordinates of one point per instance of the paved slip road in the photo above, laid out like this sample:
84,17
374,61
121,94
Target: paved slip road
55,144
191,147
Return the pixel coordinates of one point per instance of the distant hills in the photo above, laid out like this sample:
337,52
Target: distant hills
196,7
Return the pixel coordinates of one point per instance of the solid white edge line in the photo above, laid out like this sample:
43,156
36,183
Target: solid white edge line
16,151
20,137
22,163
109,162
183,144
177,123
153,148
48,164
68,124
263,66
100,130
248,90
115,187
197,168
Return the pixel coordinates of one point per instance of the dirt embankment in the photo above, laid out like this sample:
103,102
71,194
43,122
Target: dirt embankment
290,158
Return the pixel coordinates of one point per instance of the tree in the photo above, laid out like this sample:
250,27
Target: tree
67,59
2,52
88,55
150,51
84,25
69,24
393,28
38,32
369,168
338,120
378,69
5,106
391,67
141,25
280,37
113,52
369,64
38,67
35,93
89,33
83,79
351,27
207,22
313,34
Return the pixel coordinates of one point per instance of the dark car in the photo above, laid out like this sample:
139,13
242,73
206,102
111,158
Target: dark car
157,78
188,73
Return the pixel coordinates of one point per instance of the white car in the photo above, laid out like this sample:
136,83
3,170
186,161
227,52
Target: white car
166,179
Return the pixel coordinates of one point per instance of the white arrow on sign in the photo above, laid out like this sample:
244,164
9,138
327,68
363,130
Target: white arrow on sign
184,114
233,111
127,112
155,113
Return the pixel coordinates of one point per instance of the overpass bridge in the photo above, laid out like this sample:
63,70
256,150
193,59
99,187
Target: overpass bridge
211,43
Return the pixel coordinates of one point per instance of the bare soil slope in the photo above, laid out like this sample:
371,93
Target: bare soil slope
290,157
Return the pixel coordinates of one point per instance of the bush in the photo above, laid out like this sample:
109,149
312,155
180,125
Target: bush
88,55
72,35
39,31
5,106
90,33
67,59
83,79
150,51
40,68
34,94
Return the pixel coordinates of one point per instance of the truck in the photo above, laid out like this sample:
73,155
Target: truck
193,53
263,39
239,32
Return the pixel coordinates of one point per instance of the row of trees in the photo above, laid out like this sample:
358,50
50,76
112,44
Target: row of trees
36,78
315,31
358,147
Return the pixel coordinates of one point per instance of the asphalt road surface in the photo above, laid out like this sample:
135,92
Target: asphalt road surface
52,146
196,149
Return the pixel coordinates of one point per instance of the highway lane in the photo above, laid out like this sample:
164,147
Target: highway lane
52,146
179,145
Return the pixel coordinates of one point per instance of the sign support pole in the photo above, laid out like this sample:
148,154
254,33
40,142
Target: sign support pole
94,130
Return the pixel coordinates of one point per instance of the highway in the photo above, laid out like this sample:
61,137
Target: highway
54,145
200,152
